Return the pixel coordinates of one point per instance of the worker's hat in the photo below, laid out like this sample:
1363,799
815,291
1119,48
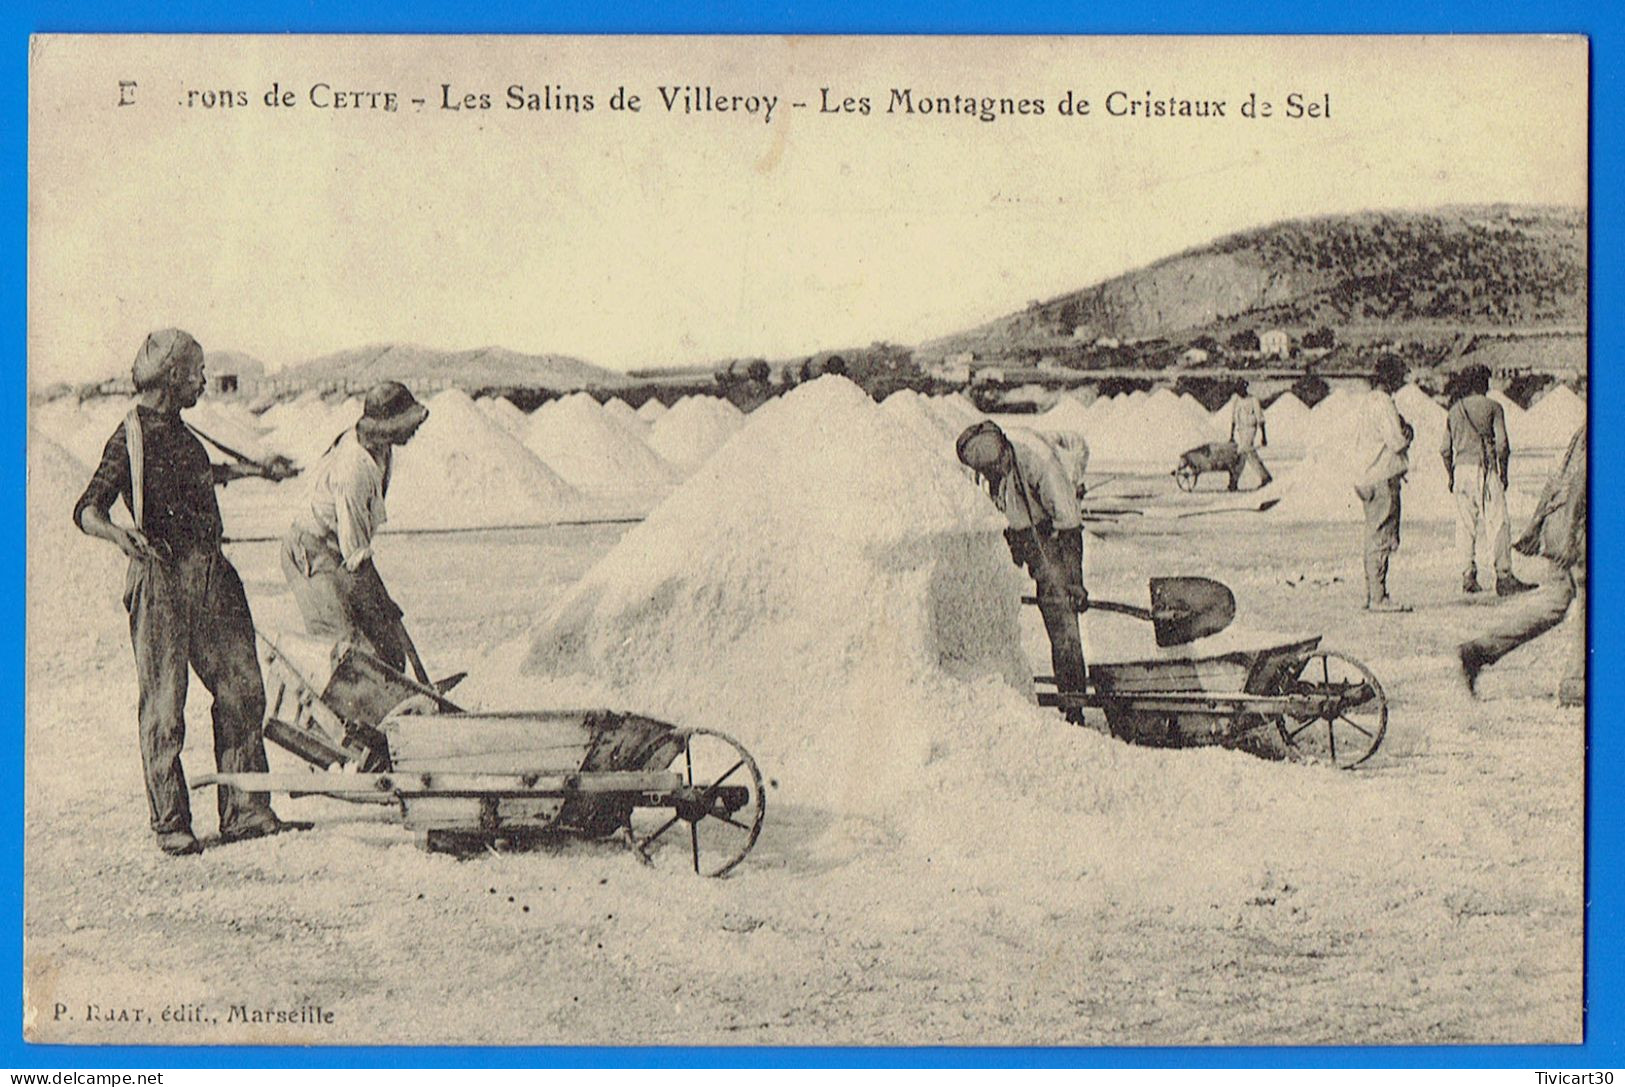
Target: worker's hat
982,447
161,351
390,411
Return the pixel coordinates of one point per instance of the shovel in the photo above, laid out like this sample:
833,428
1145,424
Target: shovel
1182,609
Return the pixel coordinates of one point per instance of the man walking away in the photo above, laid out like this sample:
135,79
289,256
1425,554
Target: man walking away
1382,440
1476,454
1246,427
186,602
1045,536
1556,532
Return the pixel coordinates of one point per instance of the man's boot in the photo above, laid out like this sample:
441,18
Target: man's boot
1508,585
1469,582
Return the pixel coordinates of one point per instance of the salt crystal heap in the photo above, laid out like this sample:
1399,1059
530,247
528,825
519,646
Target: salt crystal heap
693,429
1148,430
594,451
651,409
504,414
826,589
617,408
74,581
914,414
461,470
1287,421
1553,419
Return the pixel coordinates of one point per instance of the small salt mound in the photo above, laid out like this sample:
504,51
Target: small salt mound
74,581
501,411
307,427
692,430
96,420
956,411
1068,416
914,415
825,589
1553,419
1287,421
619,409
1219,421
651,409
461,470
592,450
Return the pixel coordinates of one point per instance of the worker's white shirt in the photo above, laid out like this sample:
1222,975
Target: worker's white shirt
1380,441
1244,424
1048,495
345,499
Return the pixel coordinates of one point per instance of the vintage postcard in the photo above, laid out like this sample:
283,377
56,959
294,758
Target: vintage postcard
806,541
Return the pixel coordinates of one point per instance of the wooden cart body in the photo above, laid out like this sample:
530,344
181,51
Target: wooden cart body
1290,700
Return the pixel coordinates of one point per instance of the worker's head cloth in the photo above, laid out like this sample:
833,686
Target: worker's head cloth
160,352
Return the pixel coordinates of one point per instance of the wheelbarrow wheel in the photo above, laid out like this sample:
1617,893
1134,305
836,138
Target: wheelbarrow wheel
1185,477
1350,714
718,808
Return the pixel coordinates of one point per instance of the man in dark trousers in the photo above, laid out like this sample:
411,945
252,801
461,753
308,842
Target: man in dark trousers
186,602
1045,535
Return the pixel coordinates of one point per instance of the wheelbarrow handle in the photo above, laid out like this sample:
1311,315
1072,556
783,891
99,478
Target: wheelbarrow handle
1105,605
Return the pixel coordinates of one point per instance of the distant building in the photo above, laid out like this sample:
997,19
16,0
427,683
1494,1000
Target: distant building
954,373
1193,356
987,374
1274,343
1111,343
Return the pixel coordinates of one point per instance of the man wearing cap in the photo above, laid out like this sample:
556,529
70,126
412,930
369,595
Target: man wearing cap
186,602
1382,438
1476,453
327,552
1045,535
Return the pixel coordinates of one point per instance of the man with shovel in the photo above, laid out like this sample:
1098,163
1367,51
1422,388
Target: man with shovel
1045,535
327,552
186,602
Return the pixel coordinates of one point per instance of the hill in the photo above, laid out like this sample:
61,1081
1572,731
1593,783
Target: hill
490,366
1464,267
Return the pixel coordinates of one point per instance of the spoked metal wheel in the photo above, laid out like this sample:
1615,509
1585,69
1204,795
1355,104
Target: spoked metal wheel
1185,478
1345,711
718,809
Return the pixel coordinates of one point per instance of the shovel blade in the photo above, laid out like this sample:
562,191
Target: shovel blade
1184,609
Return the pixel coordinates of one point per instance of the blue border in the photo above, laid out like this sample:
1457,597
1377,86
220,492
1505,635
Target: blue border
1606,884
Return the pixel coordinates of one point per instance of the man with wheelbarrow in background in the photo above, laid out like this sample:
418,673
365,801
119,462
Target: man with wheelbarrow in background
186,602
1045,536
327,552
1249,432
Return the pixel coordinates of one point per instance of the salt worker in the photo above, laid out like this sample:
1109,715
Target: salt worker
327,551
1556,532
186,603
1249,432
1045,535
1476,453
1380,457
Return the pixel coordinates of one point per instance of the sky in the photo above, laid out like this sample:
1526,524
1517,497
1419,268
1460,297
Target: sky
664,238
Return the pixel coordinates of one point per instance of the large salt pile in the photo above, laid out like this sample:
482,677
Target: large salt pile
651,409
501,411
305,427
693,429
956,411
1517,420
1553,419
1148,430
826,589
593,451
86,431
461,470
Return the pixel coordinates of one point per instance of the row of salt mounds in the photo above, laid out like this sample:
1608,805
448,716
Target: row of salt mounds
843,603
1287,420
501,411
651,409
956,411
592,450
461,470
694,428
74,581
309,425
82,429
1154,429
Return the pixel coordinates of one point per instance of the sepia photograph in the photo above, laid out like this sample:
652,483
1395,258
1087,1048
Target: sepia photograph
806,541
